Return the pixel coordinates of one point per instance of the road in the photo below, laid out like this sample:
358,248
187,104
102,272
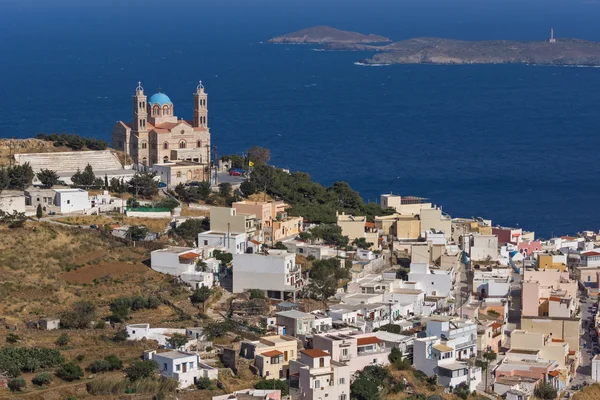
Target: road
584,371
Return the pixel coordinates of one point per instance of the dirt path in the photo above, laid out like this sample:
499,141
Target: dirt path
214,311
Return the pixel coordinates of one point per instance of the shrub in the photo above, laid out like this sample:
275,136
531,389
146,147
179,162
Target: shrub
141,369
99,366
121,335
546,392
13,338
274,384
101,324
15,360
63,340
69,372
82,314
153,302
106,386
80,357
256,294
204,384
114,361
42,379
16,384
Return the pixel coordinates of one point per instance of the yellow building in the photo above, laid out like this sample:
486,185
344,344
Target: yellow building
567,329
548,261
273,355
274,220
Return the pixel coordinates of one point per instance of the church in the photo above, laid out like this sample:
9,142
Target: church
157,136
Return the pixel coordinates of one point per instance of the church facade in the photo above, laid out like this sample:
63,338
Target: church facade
157,136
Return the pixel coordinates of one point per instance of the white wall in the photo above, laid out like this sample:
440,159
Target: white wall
265,272
168,263
71,200
235,244
12,203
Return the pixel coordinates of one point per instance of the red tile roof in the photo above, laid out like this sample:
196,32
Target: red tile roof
189,256
255,242
571,352
368,340
591,253
272,353
553,373
552,298
370,224
315,353
557,340
496,325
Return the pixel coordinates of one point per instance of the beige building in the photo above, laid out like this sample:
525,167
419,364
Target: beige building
404,204
401,226
567,329
356,227
434,219
174,173
156,134
225,219
315,376
548,293
272,355
275,222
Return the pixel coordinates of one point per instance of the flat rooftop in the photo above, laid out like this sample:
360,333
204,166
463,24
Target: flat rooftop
174,355
294,314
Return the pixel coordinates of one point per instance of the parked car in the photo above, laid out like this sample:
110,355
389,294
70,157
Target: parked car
234,173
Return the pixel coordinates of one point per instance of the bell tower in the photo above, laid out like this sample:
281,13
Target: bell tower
140,115
200,107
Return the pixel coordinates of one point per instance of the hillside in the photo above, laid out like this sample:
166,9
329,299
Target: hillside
327,34
448,51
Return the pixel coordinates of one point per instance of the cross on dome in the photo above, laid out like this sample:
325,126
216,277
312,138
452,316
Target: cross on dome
139,87
200,85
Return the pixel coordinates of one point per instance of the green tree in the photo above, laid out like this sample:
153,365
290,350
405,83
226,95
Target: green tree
121,335
364,389
14,219
114,362
237,161
190,228
16,384
323,284
47,177
106,186
118,185
223,256
63,340
225,189
200,295
4,180
273,384
141,369
144,185
256,294
362,243
41,379
99,366
248,188
39,212
85,178
69,372
204,384
167,202
259,155
279,246
12,338
546,392
20,176
177,341
82,313
306,237
137,233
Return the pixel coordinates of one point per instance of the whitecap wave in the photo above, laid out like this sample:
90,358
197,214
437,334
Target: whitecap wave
362,64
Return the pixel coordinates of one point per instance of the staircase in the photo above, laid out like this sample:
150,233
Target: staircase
103,160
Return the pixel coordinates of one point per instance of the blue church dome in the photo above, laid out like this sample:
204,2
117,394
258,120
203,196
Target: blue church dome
160,98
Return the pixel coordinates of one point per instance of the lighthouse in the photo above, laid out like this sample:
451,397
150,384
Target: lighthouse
552,40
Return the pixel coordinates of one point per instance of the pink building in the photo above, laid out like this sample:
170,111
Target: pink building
528,247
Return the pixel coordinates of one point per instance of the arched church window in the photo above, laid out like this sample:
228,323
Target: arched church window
156,110
144,161
166,159
182,144
199,143
165,110
144,145
165,145
153,145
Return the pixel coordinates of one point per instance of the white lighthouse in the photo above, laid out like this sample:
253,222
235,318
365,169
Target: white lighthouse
552,40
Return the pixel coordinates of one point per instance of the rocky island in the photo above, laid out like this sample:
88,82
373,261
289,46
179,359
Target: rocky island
427,50
327,34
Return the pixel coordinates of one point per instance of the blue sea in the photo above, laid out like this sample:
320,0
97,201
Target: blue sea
517,144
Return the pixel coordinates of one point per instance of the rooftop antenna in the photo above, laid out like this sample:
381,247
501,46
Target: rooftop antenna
552,40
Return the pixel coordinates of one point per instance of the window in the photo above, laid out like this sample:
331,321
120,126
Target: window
144,145
179,174
317,384
178,367
68,201
342,397
192,365
165,145
164,366
182,144
206,242
342,381
321,362
199,143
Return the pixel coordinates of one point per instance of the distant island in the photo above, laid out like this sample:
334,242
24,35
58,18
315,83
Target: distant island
428,50
327,34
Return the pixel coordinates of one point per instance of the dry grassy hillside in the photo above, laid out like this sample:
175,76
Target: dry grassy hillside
588,393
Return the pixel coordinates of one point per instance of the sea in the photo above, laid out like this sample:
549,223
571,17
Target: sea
513,143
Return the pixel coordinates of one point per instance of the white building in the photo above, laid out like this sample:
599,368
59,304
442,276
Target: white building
318,251
434,356
590,258
482,247
296,323
184,367
276,273
246,394
315,376
234,243
183,262
143,331
71,200
11,202
463,333
435,282
596,368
